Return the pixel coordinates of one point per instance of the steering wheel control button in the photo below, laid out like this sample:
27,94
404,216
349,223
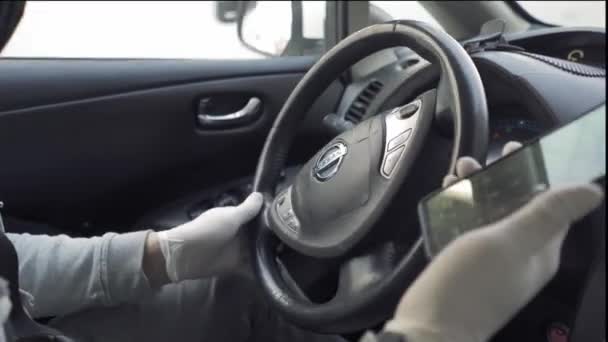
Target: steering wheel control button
287,215
329,162
293,224
397,133
408,110
399,140
281,201
391,161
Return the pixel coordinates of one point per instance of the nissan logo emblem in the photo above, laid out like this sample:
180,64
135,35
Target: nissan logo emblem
329,162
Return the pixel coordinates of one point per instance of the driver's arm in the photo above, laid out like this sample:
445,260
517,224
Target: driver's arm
66,275
475,285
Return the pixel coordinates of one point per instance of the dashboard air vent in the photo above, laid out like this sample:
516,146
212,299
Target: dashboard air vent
357,109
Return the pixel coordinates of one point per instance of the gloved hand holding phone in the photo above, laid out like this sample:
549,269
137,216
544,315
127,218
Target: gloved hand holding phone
474,286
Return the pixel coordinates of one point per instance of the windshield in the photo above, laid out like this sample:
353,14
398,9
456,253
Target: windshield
567,13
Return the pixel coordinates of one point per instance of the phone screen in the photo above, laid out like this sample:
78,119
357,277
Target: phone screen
574,153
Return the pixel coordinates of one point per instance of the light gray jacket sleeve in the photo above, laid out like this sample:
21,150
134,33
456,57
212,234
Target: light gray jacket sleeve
66,275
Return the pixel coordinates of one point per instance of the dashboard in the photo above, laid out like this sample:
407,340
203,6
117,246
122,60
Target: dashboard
590,55
508,124
526,96
582,45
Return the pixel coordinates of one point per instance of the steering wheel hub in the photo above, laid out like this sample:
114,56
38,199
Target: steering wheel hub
329,162
327,209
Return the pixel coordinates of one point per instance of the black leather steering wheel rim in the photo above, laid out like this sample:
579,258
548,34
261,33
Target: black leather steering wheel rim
460,92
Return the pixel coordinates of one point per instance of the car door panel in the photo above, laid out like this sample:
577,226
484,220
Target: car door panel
33,82
96,140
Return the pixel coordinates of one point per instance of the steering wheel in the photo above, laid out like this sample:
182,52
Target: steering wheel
333,207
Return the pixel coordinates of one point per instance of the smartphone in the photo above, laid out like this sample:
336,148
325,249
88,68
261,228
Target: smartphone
574,153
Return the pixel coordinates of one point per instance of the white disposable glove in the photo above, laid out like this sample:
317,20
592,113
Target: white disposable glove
211,243
476,284
5,307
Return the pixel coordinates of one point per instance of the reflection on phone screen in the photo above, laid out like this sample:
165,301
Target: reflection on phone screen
575,153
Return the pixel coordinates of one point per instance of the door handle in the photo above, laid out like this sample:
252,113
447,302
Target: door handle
244,115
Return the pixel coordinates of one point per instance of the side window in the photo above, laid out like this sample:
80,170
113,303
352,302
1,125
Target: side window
166,29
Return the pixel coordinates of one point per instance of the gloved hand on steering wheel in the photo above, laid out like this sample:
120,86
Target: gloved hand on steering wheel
209,245
475,285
